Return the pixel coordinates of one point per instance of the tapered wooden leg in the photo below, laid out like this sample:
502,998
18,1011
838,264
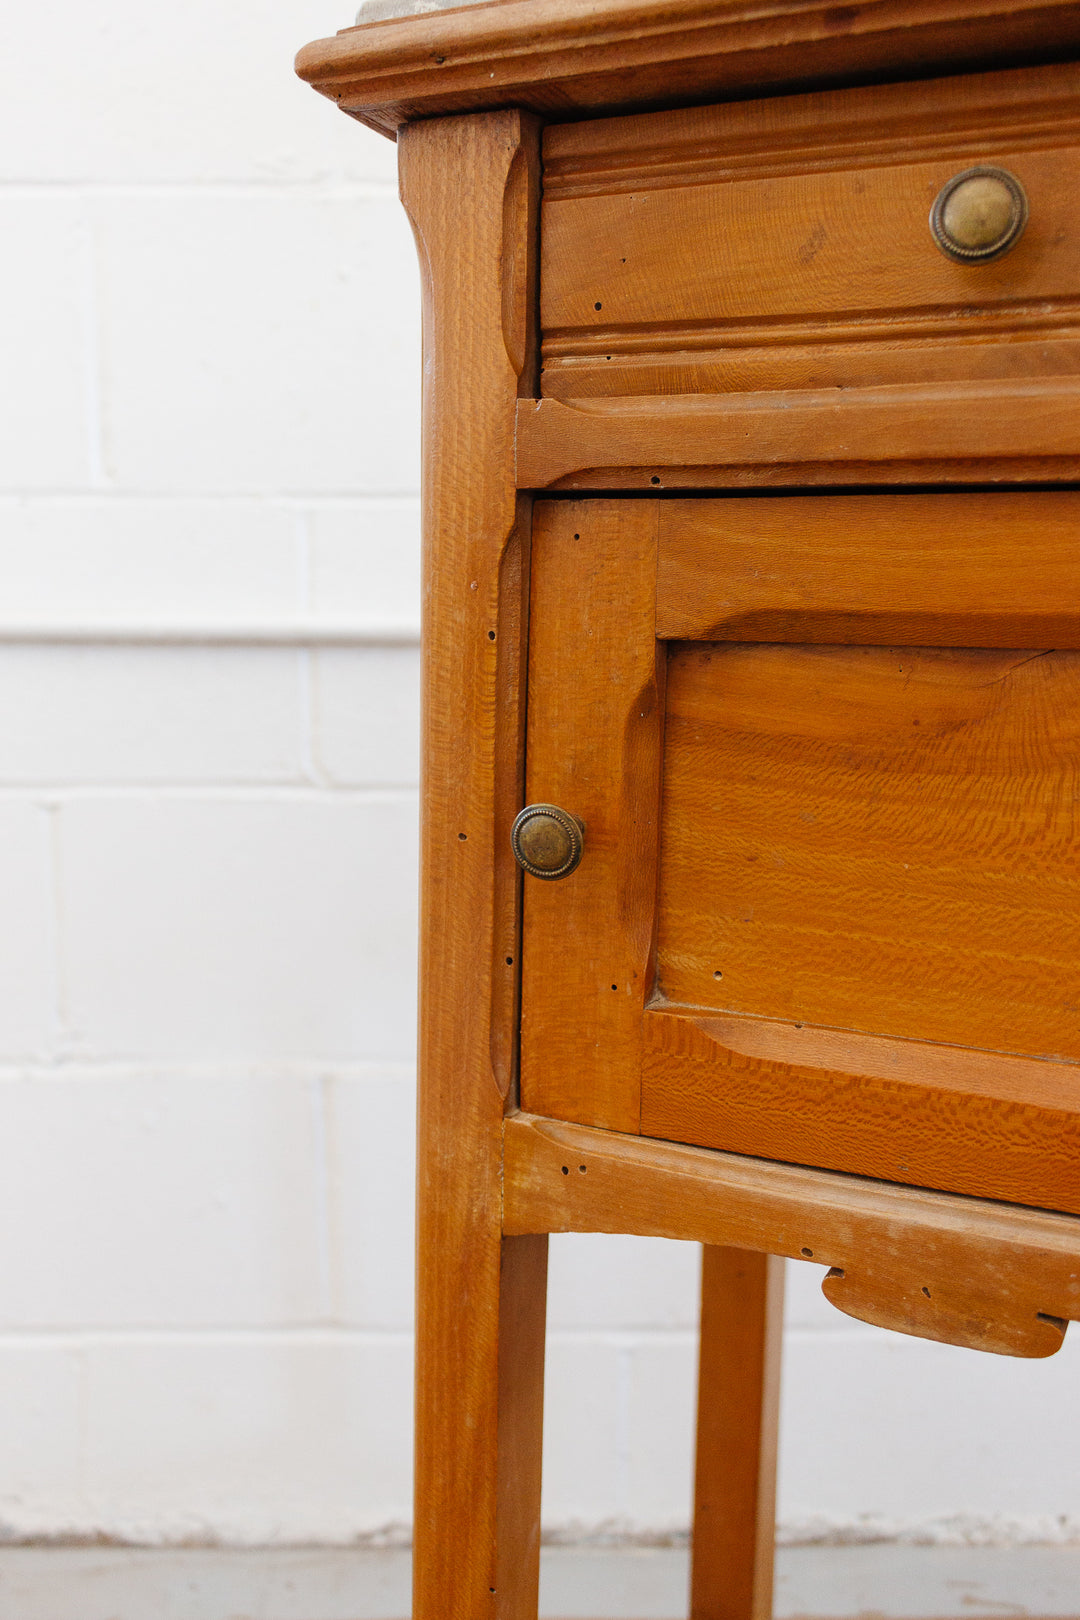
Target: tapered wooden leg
742,1304
479,1350
478,1445
522,1320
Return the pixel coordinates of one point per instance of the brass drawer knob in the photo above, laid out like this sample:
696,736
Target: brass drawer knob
979,214
547,842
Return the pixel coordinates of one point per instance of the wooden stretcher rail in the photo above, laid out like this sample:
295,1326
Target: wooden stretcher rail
880,432
964,1271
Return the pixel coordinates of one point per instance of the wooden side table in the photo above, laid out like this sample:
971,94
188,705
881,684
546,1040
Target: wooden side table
752,546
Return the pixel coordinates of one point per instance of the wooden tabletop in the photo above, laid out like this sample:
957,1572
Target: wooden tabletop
570,58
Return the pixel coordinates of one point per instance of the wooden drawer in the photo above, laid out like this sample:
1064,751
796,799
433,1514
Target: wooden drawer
829,907
785,243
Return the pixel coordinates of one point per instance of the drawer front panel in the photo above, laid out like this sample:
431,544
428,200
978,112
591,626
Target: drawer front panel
786,244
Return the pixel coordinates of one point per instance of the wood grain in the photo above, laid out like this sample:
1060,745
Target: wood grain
738,1410
858,356
868,913
817,243
957,570
558,57
471,1490
880,841
905,1111
595,738
869,125
784,243
875,839
975,431
704,357
964,1271
522,1322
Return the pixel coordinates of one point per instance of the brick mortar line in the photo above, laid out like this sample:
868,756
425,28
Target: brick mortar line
93,495
399,1071
321,1332
315,190
29,495
48,792
192,635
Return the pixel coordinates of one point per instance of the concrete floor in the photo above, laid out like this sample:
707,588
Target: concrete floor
898,1583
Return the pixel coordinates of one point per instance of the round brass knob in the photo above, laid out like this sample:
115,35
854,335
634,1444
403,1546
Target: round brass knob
979,214
548,842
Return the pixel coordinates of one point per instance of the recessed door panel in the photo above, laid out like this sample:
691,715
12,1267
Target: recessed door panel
883,839
829,908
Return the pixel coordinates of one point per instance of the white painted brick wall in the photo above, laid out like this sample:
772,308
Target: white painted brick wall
208,757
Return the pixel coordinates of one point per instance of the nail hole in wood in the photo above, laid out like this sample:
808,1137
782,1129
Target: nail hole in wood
566,1169
926,1291
463,836
717,974
509,961
809,1253
583,1168
598,306
491,635
654,480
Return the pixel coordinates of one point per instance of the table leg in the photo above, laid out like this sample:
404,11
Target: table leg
742,1302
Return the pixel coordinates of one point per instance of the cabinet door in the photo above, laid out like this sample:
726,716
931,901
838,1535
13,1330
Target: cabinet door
826,750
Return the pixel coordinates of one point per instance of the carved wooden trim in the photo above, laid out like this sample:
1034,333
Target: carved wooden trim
855,435
964,1271
559,58
979,115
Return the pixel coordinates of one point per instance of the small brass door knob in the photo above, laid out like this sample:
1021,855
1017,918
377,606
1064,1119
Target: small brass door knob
979,214
548,842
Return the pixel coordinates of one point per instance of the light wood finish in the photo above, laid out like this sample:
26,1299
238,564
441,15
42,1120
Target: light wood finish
522,1321
957,570
907,433
738,1409
964,1271
856,948
472,1491
875,840
908,1111
784,243
914,803
557,56
595,717
738,298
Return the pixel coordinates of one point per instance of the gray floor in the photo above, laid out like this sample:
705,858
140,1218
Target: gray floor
909,1583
